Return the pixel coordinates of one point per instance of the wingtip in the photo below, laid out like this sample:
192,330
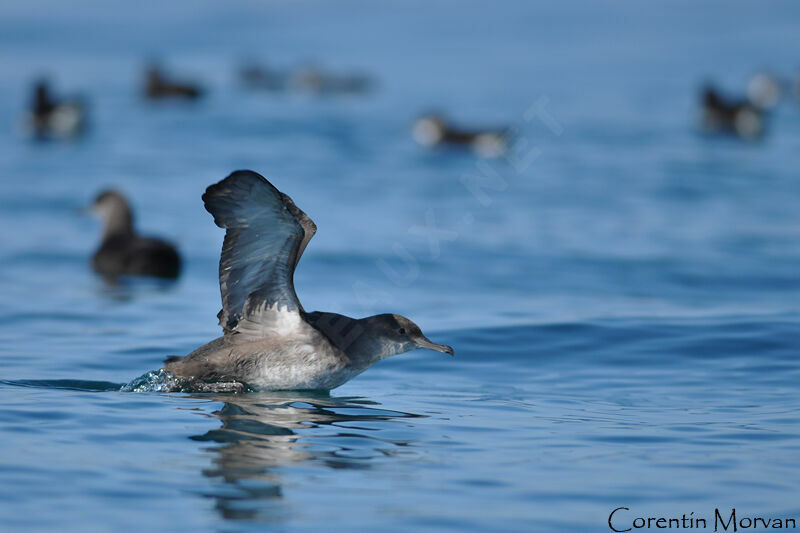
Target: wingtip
221,198
244,174
237,177
259,221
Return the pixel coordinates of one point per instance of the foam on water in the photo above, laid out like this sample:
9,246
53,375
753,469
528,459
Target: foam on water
163,381
157,381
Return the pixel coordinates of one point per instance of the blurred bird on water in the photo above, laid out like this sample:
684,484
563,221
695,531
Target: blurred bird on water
739,117
50,117
159,86
122,251
434,130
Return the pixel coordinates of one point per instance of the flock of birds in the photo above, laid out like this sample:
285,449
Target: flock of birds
124,253
53,117
269,341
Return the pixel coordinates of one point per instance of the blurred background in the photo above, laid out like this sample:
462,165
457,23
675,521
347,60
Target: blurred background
627,256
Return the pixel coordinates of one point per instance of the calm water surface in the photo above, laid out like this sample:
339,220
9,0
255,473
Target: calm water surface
622,296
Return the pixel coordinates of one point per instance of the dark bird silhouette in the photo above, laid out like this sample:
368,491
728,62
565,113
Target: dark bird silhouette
255,76
434,130
313,79
737,117
123,252
158,86
51,117
309,79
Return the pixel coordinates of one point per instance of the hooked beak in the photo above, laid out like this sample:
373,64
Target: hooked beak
428,345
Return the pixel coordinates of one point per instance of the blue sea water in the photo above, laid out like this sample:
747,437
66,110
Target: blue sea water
622,293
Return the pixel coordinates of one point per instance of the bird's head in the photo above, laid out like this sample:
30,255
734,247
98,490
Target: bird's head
114,210
429,130
396,334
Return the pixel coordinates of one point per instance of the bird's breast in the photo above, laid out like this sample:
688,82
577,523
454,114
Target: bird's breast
298,366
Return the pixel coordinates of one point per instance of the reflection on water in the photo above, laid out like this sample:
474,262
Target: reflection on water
262,432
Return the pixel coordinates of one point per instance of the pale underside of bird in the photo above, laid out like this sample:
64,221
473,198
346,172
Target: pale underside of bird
269,341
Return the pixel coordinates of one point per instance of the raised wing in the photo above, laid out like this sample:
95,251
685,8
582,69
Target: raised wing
264,239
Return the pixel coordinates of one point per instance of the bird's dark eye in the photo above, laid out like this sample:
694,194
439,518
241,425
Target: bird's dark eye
401,331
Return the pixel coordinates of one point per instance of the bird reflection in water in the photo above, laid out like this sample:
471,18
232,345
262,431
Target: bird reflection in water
262,432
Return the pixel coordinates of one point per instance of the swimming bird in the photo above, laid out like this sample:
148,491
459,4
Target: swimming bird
739,117
123,252
313,79
256,76
269,341
433,130
50,117
308,79
157,86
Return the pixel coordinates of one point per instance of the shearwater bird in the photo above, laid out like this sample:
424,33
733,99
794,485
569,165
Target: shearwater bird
434,130
123,252
51,117
738,117
309,79
270,342
158,86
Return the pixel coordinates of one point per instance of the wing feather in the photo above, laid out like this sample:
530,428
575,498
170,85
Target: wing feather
266,233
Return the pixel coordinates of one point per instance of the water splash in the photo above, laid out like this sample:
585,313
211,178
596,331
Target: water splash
165,381
157,381
153,381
